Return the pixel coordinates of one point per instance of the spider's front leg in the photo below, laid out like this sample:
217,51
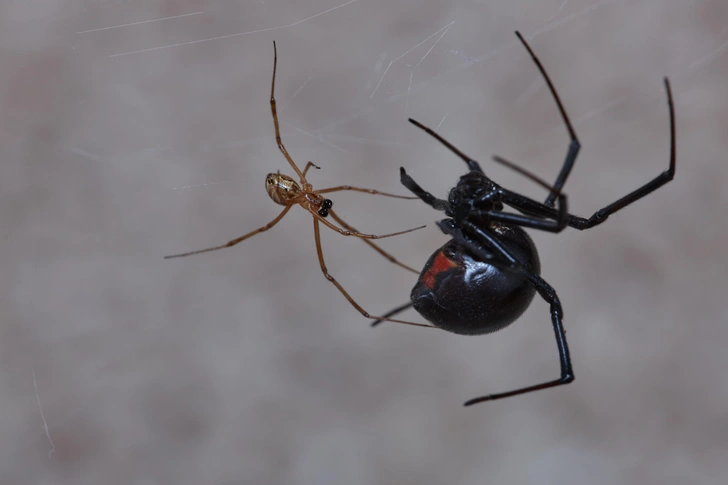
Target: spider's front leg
427,198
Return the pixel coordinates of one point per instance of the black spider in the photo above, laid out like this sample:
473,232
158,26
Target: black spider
485,277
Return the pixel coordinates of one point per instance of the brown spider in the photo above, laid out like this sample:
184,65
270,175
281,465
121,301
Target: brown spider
287,192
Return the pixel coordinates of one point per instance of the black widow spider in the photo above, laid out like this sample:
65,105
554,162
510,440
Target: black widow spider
485,277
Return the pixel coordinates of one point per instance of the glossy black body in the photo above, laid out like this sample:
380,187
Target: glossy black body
472,296
464,293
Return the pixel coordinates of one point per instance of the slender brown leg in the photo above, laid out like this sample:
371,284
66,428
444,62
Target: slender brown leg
320,253
238,240
275,116
381,251
357,189
344,232
309,165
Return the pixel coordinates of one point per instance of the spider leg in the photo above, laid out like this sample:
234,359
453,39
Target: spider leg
393,312
601,215
543,289
381,251
427,198
345,232
531,207
358,189
238,240
567,372
317,235
309,165
275,117
574,145
561,218
473,165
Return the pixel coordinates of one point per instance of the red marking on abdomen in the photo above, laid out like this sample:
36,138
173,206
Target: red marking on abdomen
440,264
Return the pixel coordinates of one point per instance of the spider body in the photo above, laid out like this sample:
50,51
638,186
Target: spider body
459,292
283,190
485,277
462,293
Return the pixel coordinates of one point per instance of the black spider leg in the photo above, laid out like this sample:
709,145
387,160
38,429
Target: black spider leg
432,201
395,311
574,145
473,165
427,198
488,242
531,207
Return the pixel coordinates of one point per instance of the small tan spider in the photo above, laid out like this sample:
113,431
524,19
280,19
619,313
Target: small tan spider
285,191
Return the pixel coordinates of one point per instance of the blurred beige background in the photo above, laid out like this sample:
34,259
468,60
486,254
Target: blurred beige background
132,130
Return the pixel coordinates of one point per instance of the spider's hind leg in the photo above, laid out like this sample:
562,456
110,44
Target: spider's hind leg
483,243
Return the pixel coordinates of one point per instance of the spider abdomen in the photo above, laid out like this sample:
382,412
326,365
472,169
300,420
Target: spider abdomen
463,294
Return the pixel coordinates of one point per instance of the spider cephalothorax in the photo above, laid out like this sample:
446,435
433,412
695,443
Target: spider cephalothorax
474,195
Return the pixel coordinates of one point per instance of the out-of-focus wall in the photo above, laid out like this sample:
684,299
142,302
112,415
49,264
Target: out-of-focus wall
133,130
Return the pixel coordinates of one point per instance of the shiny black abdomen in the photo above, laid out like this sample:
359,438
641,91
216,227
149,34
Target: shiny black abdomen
462,294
